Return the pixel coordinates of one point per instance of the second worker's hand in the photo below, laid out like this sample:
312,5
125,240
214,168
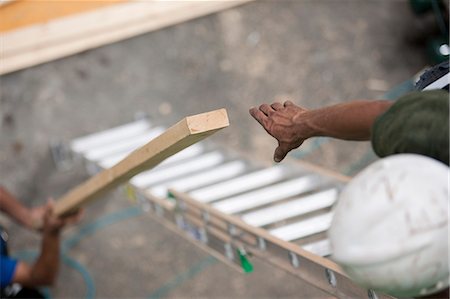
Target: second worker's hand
53,224
286,122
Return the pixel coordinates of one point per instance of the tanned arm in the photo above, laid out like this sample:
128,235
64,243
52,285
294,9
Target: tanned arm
291,125
45,270
28,217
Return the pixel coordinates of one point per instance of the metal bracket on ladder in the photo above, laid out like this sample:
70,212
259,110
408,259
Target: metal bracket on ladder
61,155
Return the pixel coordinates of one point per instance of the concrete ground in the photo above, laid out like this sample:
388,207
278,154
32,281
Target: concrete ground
315,52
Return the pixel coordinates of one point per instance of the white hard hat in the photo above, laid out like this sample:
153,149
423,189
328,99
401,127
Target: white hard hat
390,226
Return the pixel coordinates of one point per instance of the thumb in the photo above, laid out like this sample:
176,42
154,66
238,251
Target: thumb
50,202
280,152
49,205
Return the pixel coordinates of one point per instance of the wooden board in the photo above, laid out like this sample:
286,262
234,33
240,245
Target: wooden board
183,134
32,45
22,13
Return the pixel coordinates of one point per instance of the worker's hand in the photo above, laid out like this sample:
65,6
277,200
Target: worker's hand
286,123
54,224
36,218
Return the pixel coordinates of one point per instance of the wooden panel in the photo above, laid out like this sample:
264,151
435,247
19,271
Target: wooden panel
22,13
62,37
185,133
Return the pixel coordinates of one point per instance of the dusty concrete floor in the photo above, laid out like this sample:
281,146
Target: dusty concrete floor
315,52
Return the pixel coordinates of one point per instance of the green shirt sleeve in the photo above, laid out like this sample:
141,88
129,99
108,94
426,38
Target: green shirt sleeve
417,123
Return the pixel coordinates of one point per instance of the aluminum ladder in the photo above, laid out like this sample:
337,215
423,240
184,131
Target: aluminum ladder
233,207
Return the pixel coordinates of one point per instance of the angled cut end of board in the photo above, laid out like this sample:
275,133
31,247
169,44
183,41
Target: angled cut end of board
209,121
186,132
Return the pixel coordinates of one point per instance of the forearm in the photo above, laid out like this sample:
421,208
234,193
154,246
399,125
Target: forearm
291,125
11,206
45,269
349,121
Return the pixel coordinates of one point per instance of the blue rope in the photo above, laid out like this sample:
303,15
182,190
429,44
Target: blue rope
90,229
100,223
88,280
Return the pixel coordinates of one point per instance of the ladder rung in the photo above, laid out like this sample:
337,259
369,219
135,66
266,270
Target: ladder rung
303,228
267,195
216,174
155,176
189,152
240,184
296,207
85,143
322,247
126,144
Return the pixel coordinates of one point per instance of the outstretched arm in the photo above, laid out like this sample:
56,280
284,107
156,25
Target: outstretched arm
23,215
291,125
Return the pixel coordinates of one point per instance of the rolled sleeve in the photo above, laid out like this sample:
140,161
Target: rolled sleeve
417,123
